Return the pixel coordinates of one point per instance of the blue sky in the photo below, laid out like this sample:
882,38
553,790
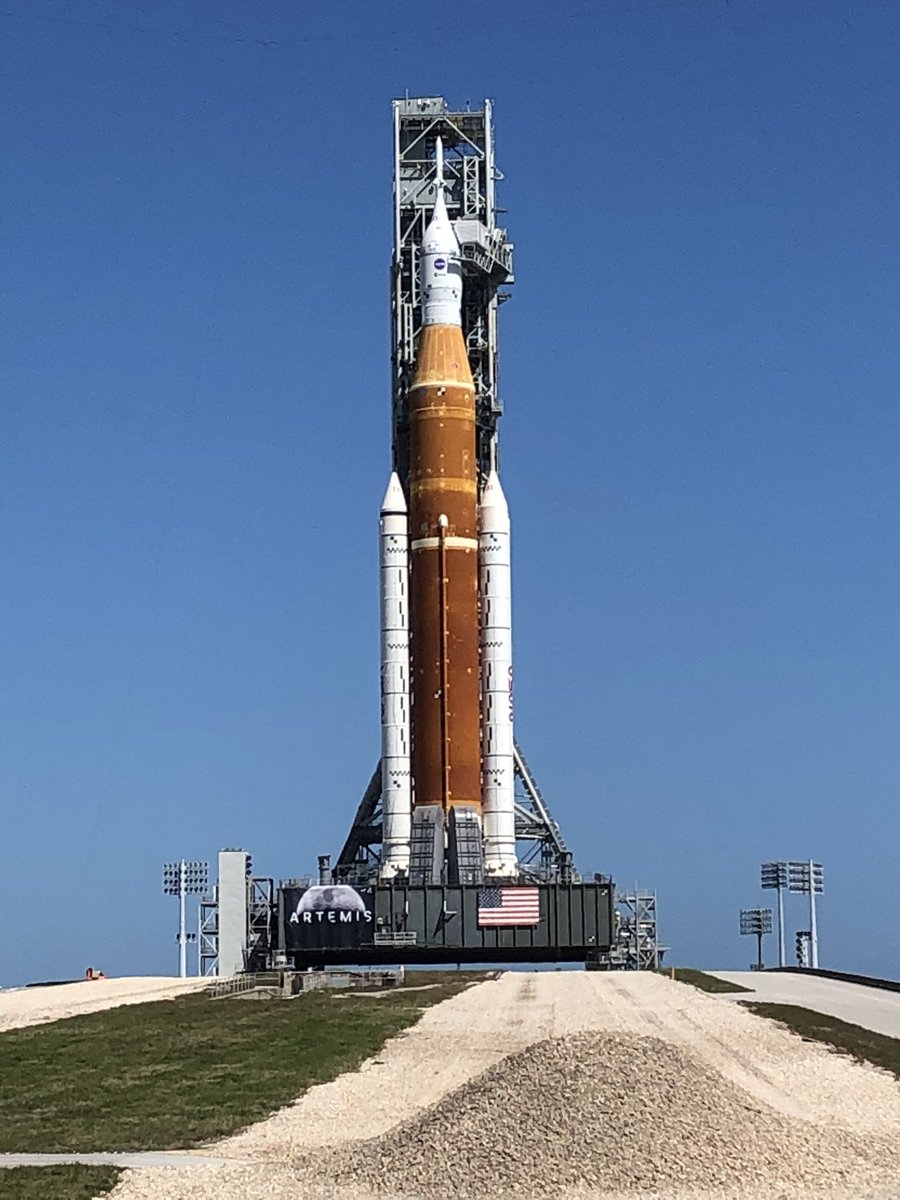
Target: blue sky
700,368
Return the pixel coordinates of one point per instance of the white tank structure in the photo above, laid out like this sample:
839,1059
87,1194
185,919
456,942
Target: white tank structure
396,790
498,759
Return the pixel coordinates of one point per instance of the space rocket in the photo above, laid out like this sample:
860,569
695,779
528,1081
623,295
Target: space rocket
446,646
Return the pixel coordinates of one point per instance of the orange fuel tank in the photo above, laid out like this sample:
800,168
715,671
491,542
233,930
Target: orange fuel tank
443,502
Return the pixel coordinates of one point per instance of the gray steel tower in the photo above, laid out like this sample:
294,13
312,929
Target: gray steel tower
470,175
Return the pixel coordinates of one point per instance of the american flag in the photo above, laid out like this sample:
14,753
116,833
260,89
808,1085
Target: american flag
509,906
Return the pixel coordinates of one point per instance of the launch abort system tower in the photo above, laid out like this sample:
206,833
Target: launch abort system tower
453,854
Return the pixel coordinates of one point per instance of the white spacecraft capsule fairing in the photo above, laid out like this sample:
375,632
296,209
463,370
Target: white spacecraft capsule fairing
441,275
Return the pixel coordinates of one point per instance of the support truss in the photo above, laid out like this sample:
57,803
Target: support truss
542,853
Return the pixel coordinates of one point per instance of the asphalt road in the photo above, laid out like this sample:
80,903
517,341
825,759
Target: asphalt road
854,1002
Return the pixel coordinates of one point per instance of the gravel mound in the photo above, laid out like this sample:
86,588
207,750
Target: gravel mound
578,1085
601,1113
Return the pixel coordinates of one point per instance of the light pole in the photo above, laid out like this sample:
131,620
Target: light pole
775,876
807,878
757,921
183,879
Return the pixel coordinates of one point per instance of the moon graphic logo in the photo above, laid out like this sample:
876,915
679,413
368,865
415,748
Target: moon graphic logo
324,899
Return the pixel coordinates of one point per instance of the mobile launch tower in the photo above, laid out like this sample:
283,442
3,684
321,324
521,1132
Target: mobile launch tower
468,177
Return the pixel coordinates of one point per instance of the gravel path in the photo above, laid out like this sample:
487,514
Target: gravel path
610,1085
33,1006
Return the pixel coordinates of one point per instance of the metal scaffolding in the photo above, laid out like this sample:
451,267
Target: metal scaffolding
209,933
259,937
260,915
637,944
470,176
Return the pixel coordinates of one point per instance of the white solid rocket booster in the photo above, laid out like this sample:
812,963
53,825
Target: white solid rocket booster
396,792
498,764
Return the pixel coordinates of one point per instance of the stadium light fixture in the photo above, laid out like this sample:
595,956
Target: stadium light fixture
183,879
808,879
805,877
757,921
774,876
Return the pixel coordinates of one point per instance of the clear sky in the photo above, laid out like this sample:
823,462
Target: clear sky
700,367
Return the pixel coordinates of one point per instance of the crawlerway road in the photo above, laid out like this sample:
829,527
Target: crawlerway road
575,1085
873,1008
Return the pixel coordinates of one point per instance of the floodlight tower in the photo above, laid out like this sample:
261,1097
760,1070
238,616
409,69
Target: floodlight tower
807,878
756,922
183,879
774,876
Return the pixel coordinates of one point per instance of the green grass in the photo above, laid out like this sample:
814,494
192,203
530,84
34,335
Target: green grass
181,1072
56,1183
423,977
862,1044
699,979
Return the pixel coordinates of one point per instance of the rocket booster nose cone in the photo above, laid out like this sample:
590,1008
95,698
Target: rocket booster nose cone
493,511
394,501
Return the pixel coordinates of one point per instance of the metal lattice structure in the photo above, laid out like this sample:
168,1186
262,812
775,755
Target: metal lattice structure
471,176
543,854
260,926
209,934
637,945
260,916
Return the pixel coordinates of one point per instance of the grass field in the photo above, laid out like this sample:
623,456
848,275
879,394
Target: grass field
56,1183
699,979
862,1044
178,1073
